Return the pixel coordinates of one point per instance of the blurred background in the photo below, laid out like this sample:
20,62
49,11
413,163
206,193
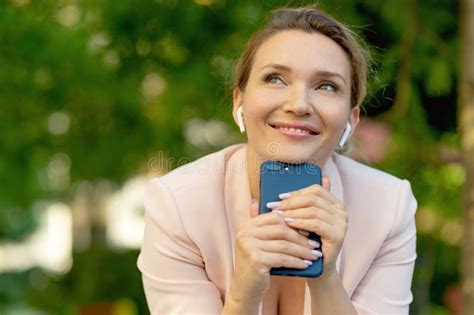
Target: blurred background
98,96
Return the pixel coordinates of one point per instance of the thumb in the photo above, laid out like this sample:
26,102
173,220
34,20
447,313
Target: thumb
254,208
326,183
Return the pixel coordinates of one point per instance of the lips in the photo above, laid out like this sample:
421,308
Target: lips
298,127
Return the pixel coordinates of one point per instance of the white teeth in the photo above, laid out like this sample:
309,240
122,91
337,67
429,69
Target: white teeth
294,130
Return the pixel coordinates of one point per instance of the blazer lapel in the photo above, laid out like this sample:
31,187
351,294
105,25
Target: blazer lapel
330,170
236,194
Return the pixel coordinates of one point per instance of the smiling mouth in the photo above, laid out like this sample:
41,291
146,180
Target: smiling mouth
295,130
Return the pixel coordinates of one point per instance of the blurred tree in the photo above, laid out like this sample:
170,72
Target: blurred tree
466,121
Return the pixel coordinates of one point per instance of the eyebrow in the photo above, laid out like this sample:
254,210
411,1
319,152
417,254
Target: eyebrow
322,73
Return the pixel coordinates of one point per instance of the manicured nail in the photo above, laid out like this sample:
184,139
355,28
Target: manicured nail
303,232
279,212
284,195
317,253
273,204
313,244
289,220
308,262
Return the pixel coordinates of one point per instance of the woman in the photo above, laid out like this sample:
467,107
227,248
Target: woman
299,86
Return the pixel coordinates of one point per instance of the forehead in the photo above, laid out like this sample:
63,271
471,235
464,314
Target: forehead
303,52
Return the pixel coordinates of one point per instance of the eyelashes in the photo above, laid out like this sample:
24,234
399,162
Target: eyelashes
276,78
272,76
332,87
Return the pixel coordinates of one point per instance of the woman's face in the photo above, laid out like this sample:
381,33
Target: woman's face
297,100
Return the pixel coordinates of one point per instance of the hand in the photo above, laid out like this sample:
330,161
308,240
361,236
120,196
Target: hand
263,242
315,209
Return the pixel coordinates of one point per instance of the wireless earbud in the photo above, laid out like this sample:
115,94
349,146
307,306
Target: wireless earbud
240,119
345,135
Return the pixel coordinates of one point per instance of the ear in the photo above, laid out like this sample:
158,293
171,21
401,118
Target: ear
237,101
354,118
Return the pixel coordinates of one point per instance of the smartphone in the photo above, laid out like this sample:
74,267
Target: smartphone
279,177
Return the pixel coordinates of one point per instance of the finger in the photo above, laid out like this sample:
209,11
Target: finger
332,217
277,260
289,248
326,183
263,219
311,213
321,228
254,208
303,232
281,232
303,201
315,189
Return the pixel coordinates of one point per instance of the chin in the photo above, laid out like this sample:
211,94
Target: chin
294,156
291,158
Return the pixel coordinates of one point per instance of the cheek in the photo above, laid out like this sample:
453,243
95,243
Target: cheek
335,117
260,103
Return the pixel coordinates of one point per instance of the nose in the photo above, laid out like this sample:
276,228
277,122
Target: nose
299,102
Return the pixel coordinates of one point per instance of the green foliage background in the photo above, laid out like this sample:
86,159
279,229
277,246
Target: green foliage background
89,59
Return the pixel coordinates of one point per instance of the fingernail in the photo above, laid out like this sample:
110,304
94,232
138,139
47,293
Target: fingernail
303,232
317,253
313,244
308,262
279,212
284,195
289,220
273,204
254,200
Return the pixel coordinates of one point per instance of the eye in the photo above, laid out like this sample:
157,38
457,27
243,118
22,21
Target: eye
273,78
328,87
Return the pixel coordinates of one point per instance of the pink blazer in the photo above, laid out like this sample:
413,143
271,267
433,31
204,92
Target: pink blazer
193,212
